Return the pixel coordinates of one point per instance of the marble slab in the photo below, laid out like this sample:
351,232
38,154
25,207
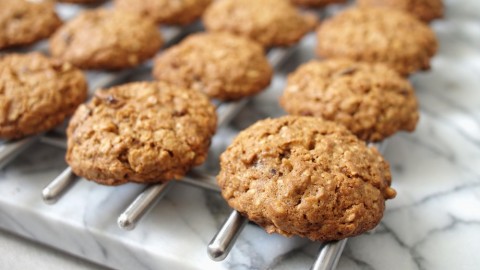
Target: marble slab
434,223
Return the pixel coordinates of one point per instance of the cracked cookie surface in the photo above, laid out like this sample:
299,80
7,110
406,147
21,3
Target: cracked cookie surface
24,22
37,93
371,100
144,132
221,65
106,39
305,176
376,34
282,25
166,11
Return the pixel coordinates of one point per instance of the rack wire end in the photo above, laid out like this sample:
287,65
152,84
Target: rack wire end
125,223
48,197
216,252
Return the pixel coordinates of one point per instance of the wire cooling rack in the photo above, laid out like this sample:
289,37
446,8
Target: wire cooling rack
146,197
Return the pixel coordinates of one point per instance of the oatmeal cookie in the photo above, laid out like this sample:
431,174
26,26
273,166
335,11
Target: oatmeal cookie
222,65
305,176
81,1
143,132
393,37
166,11
37,93
316,3
371,100
24,22
106,39
425,10
282,25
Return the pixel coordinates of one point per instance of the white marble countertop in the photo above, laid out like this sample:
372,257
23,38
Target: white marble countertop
434,223
19,254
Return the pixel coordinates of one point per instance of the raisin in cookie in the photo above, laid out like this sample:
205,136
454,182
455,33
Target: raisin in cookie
222,65
425,10
166,11
305,176
37,93
142,132
106,39
282,25
382,35
24,22
371,100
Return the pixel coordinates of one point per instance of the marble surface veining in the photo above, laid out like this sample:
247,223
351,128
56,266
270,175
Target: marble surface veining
434,223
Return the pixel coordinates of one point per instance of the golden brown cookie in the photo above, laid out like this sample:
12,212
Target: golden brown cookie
166,11
371,100
425,10
24,22
142,132
316,3
305,176
381,35
282,25
37,93
81,1
106,39
222,65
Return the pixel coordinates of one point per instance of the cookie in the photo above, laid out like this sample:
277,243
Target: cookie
282,25
166,11
37,93
106,39
425,10
143,132
222,65
81,1
316,3
381,35
305,176
25,22
371,100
